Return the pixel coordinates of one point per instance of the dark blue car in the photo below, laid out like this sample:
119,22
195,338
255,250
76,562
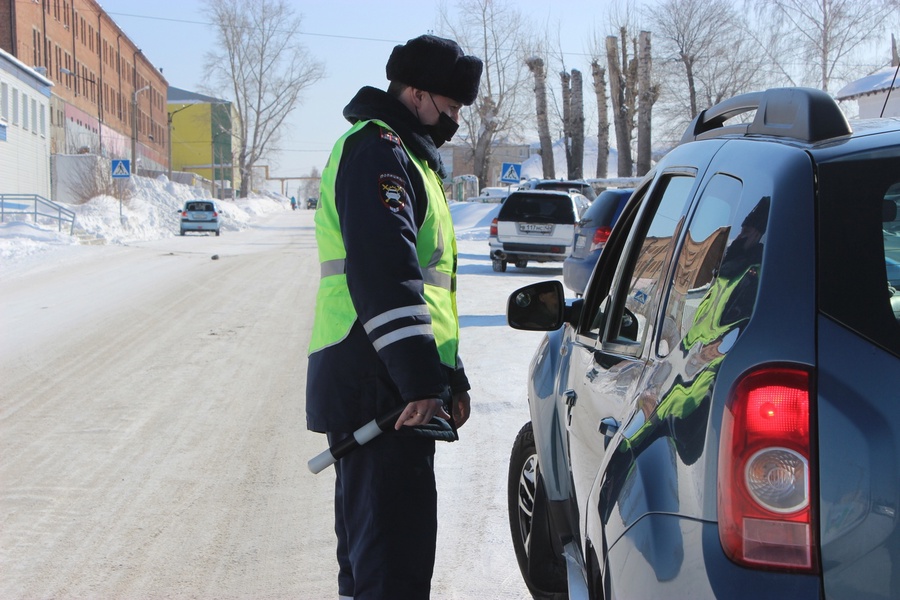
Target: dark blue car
591,233
719,415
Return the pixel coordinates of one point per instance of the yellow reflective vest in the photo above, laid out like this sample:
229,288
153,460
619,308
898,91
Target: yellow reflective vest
435,248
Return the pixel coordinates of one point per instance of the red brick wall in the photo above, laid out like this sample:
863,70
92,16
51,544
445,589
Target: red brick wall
79,36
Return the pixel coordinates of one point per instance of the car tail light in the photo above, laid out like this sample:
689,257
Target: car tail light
184,213
215,214
601,236
493,232
767,509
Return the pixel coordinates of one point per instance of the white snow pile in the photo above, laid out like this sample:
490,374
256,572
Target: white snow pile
152,212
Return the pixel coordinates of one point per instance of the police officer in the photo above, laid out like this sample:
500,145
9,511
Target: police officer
386,331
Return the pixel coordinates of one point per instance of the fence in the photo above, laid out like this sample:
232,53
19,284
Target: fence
37,207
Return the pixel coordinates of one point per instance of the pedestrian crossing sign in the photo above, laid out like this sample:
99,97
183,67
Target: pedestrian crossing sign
121,168
511,173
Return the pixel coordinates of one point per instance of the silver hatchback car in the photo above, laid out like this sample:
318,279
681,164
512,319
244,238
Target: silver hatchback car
200,215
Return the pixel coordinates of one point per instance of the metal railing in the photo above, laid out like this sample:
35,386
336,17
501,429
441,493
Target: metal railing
35,206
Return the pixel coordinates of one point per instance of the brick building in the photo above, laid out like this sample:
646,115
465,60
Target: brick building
108,98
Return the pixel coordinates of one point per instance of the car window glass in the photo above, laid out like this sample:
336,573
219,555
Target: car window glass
701,283
597,296
859,246
647,258
535,208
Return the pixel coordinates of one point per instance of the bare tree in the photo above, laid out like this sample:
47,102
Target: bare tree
647,94
623,93
491,30
573,122
820,36
705,54
598,75
536,66
261,63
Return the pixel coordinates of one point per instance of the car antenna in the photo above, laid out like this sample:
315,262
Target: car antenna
891,88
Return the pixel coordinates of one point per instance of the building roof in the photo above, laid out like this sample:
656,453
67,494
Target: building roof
180,96
871,84
25,69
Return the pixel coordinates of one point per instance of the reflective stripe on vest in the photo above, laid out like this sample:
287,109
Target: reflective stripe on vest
436,251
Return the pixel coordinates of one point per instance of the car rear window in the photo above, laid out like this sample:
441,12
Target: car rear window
606,208
537,208
200,206
859,245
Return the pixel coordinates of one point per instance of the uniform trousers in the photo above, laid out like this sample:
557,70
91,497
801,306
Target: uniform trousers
385,505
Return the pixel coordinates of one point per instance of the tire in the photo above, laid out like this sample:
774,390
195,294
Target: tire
521,263
217,233
182,232
526,504
498,265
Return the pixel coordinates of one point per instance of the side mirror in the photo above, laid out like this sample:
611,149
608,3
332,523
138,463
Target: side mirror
537,307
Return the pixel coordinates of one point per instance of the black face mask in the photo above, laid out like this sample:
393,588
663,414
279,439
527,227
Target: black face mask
445,128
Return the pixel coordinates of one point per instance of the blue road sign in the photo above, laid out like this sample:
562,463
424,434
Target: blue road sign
121,168
511,173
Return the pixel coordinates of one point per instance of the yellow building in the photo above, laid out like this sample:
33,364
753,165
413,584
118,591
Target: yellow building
203,133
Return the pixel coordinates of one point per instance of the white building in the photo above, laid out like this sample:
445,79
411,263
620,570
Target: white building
870,94
24,128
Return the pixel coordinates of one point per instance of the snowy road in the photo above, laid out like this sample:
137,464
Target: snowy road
152,430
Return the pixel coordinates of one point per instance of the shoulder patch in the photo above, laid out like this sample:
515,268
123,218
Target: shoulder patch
390,136
392,191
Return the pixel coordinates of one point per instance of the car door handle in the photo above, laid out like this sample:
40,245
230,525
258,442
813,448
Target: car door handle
608,428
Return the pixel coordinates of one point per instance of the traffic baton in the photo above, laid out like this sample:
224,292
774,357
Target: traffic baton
364,434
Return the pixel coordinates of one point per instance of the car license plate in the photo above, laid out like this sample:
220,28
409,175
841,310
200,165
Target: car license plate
580,242
535,227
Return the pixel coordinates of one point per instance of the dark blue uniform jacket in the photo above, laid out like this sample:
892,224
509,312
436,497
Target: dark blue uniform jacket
349,383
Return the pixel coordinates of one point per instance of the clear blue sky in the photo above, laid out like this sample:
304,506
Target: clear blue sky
352,38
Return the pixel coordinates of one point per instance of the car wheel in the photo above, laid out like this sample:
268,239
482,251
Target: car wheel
545,571
498,265
217,233
521,263
182,232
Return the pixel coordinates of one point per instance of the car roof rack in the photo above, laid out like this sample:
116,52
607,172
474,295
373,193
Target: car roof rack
804,114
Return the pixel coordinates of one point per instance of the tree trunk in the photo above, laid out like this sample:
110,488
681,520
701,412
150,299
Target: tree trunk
481,158
598,74
619,107
536,66
576,126
645,103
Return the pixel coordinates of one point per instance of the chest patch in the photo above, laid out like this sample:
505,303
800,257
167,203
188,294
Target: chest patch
392,191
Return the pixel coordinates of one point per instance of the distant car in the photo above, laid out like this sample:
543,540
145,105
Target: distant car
312,202
535,225
591,233
200,215
717,416
561,185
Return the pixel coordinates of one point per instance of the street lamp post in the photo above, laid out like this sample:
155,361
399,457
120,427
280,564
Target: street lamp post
99,93
169,119
134,127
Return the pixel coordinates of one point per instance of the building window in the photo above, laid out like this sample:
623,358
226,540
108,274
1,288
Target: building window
24,111
43,121
4,101
34,116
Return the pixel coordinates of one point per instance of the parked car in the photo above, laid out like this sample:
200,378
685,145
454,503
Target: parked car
200,215
312,203
591,233
535,225
561,185
717,417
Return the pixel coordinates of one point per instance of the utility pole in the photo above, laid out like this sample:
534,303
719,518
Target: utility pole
134,128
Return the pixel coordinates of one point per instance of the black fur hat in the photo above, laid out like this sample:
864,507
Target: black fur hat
436,65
